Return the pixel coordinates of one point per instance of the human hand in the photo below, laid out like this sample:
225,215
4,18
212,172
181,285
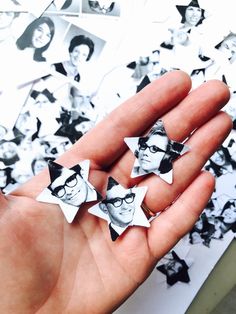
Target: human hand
50,266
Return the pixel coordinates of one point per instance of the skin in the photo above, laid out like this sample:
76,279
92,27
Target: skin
75,195
79,55
63,268
41,36
192,15
151,161
122,215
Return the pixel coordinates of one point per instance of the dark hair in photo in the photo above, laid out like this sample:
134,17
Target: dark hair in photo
96,5
218,170
66,4
191,241
111,183
182,274
82,40
165,165
55,171
227,37
7,172
25,40
34,94
228,204
34,162
72,91
10,160
182,11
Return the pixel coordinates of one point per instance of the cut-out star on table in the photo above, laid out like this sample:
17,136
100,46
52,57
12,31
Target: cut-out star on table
175,269
69,188
121,208
155,153
193,3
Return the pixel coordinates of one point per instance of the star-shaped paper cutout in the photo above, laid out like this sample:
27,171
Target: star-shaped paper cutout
69,188
129,213
193,3
175,270
155,153
69,129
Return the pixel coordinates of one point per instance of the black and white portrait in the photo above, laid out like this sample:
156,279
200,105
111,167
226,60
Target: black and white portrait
226,221
69,187
103,7
121,208
183,48
175,269
37,37
78,116
80,51
155,153
204,228
228,46
8,152
192,14
154,69
220,163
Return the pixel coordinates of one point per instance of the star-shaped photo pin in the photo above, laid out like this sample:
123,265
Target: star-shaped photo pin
69,188
155,153
175,269
121,208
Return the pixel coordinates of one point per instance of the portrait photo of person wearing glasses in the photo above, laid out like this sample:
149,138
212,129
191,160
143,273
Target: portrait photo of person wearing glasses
70,185
119,205
155,153
69,188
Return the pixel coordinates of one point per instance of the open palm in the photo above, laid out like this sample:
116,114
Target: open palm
50,266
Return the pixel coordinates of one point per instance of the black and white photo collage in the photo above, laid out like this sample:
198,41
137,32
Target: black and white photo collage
65,64
58,58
